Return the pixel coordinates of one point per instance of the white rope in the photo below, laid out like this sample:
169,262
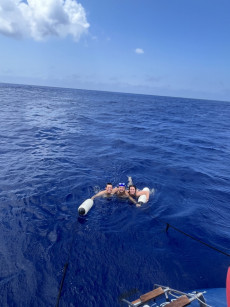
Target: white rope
200,299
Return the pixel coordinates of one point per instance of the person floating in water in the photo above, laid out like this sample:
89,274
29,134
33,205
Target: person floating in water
122,193
108,192
135,193
132,193
119,191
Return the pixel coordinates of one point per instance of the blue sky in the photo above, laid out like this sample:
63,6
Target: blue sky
162,47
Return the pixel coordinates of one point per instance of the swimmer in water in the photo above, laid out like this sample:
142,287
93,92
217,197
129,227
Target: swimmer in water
109,191
122,193
133,192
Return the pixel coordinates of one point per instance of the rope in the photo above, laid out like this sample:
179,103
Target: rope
191,237
204,303
64,272
62,282
195,239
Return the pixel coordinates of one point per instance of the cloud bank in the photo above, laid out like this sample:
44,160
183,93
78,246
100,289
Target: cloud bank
40,19
139,51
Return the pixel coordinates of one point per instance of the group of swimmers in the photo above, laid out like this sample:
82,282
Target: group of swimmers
132,193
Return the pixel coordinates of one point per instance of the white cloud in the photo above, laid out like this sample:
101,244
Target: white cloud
40,19
139,51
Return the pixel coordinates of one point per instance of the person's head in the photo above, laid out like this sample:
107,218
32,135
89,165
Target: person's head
121,187
132,189
109,187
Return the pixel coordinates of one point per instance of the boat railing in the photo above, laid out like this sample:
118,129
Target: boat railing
179,298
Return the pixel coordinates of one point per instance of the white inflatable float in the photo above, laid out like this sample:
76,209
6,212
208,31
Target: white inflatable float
84,208
143,199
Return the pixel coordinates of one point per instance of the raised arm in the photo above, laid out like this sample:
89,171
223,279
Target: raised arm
114,190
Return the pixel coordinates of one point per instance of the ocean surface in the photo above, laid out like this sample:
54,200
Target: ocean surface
58,147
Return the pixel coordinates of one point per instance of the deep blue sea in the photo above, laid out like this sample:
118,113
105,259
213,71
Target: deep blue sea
59,147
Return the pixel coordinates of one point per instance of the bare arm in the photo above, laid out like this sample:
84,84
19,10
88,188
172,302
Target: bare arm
146,193
98,194
130,198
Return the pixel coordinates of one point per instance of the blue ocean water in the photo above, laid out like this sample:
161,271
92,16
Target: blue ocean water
60,146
